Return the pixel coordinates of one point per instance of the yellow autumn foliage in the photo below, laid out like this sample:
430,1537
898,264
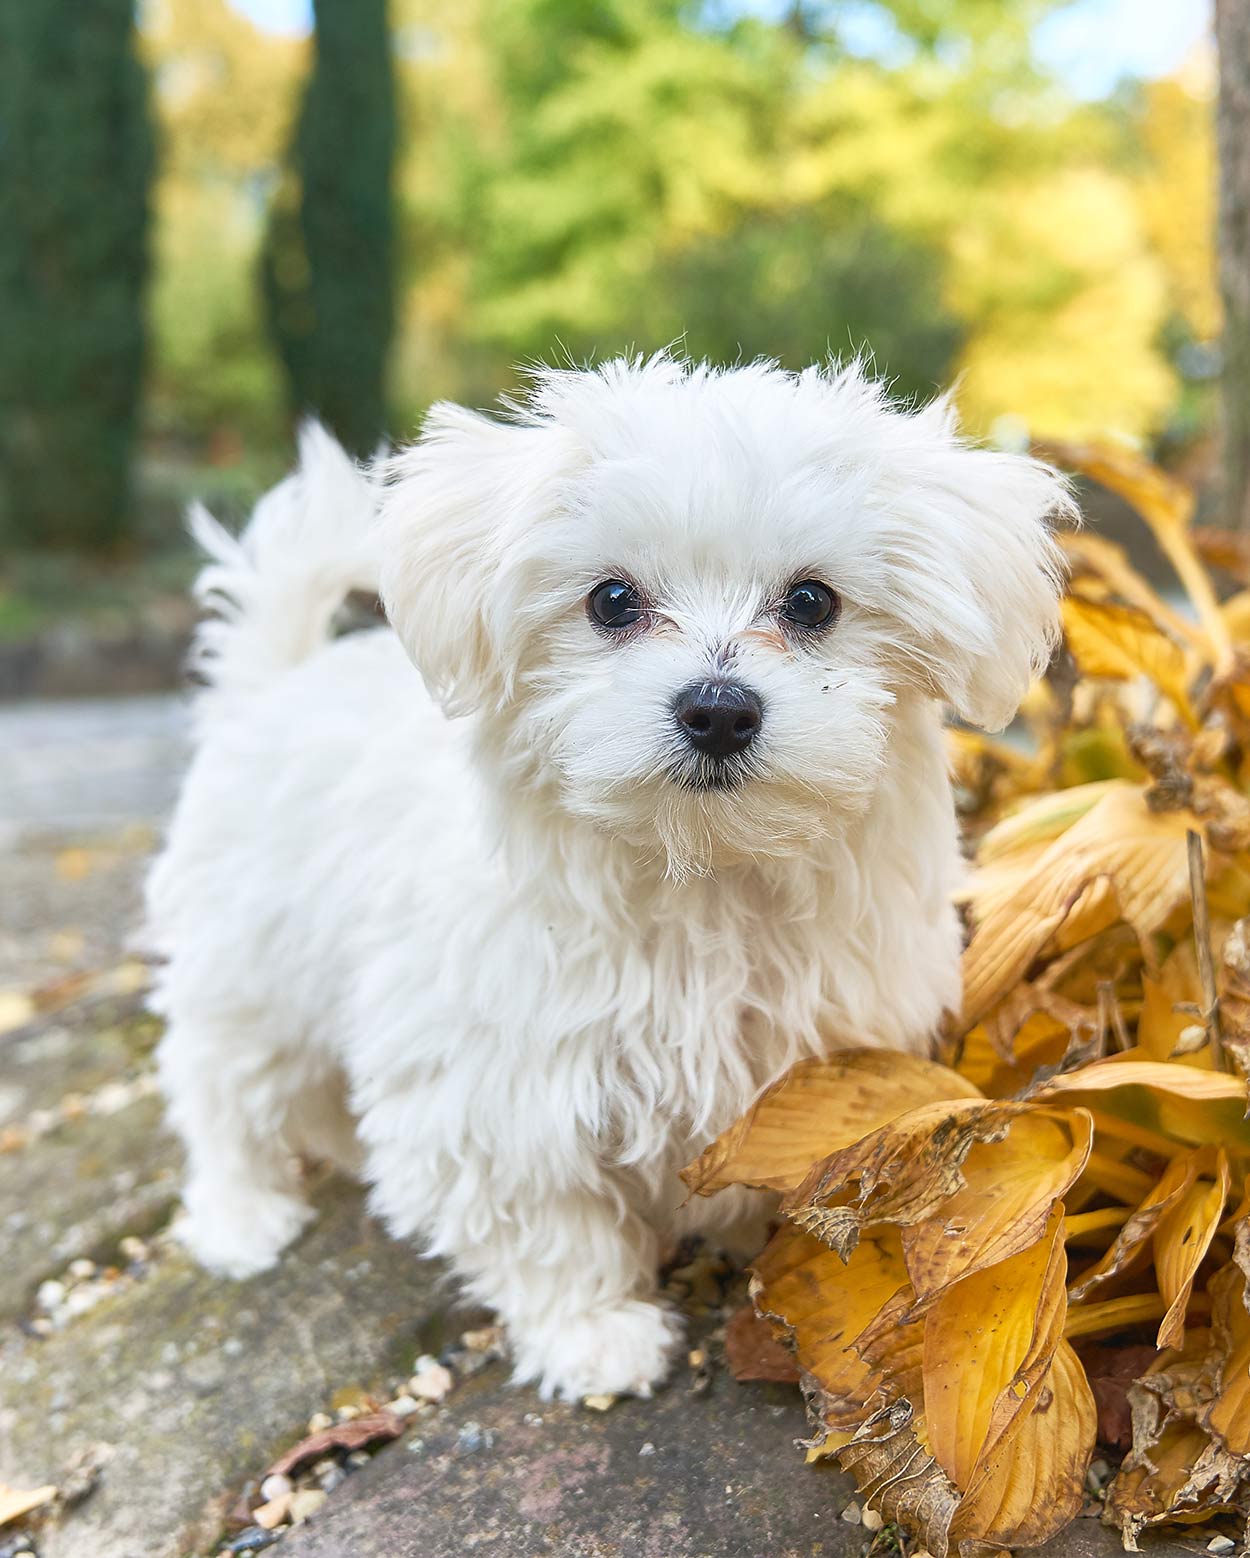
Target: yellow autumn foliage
1079,1170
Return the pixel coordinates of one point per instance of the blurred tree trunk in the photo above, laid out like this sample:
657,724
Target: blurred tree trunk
76,155
1232,29
327,262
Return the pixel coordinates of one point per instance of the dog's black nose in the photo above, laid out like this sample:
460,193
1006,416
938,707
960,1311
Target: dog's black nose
718,718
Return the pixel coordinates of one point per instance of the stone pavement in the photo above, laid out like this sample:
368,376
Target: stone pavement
155,1396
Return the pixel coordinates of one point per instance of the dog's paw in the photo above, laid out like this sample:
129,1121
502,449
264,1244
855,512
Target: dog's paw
625,1350
240,1237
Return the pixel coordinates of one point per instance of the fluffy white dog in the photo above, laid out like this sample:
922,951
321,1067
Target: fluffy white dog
691,823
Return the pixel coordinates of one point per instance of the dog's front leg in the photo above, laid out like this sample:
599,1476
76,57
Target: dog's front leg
569,1268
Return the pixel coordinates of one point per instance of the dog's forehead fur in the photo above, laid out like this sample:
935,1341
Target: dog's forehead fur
714,489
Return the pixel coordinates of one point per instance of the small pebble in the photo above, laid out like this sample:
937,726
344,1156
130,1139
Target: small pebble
427,1360
599,1403
646,1449
697,1358
488,1339
871,1519
305,1502
51,1295
270,1515
1221,1544
250,1541
359,1458
431,1383
474,1437
326,1464
132,1249
333,1478
348,1414
81,1269
402,1406
851,1515
533,1420
276,1486
319,1421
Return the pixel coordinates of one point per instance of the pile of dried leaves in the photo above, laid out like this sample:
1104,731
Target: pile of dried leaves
972,1287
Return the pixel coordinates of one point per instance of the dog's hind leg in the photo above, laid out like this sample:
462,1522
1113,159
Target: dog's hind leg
230,1093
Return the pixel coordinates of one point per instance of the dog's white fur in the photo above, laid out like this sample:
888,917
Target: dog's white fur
539,971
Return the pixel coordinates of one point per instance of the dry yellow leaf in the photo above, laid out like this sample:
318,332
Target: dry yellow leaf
16,1502
1168,1099
816,1108
1141,854
1107,640
1031,1479
819,1305
1094,555
1128,1249
978,1338
16,1010
900,1173
1167,506
1229,1415
1008,1412
1011,1187
1181,1240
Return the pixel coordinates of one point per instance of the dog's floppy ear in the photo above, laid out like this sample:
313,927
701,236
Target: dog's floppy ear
985,573
456,506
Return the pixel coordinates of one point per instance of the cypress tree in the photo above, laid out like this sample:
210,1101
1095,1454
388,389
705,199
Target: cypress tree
76,157
327,261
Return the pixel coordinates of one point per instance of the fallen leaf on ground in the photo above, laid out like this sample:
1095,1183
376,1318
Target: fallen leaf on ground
355,1434
753,1352
16,1502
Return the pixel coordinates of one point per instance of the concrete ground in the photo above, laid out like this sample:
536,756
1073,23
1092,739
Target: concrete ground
155,1398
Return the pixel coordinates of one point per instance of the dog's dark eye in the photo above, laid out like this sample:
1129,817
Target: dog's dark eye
810,604
615,604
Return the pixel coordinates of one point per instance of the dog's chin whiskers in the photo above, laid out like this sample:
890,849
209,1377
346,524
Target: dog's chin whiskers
705,778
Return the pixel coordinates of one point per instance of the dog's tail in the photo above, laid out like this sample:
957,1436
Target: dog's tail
271,591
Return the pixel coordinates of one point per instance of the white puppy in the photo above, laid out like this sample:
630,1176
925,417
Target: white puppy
693,824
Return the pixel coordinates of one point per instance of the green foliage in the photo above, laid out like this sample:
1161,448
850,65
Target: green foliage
74,179
327,259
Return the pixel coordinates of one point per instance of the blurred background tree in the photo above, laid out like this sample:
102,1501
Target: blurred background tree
1232,23
416,198
326,263
76,156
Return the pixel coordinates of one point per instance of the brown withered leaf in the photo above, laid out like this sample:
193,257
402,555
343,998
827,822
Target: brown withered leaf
818,1107
354,1434
898,1477
1184,1473
1235,995
899,1174
1226,549
754,1353
1110,1371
